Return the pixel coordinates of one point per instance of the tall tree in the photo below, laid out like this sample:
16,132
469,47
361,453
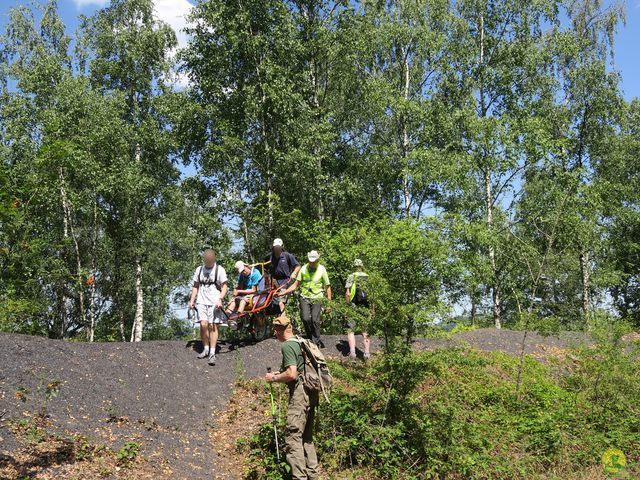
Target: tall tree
130,56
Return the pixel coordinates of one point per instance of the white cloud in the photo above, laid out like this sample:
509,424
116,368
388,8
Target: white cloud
174,12
86,3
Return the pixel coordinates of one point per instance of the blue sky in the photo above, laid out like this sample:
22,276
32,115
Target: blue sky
627,58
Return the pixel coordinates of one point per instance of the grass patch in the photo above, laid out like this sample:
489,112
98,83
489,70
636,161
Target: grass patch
453,414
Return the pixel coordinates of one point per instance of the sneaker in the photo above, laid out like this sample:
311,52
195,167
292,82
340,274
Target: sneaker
352,356
204,354
366,356
321,344
212,359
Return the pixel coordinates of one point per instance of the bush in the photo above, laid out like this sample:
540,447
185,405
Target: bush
454,414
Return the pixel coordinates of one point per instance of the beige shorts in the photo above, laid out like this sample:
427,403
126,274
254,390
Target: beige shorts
210,314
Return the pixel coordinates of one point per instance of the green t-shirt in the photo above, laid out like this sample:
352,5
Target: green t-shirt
313,282
292,355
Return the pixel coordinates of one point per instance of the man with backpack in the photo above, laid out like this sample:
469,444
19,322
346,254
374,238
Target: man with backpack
355,294
314,283
300,450
208,290
282,266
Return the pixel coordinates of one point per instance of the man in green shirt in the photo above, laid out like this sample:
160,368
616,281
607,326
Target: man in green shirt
314,283
299,447
355,295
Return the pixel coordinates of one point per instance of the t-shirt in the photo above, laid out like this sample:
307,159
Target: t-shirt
250,280
355,280
313,282
292,355
282,266
203,278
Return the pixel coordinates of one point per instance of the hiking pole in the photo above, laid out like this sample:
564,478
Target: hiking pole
273,416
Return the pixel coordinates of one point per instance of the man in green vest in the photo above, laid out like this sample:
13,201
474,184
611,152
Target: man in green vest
314,284
299,447
355,294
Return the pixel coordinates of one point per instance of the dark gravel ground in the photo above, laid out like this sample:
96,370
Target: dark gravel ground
158,394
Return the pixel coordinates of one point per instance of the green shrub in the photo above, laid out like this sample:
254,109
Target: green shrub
454,413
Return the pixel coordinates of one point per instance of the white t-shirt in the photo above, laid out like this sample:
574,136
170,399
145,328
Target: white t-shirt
208,293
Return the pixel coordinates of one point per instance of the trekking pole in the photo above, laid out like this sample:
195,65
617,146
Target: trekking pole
273,416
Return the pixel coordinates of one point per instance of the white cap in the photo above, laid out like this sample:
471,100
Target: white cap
278,242
240,266
357,263
313,255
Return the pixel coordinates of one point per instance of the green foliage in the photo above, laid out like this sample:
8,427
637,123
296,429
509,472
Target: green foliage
92,189
476,155
263,462
454,413
128,453
406,263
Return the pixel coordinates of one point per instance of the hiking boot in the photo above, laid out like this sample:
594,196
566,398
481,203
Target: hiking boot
212,359
204,354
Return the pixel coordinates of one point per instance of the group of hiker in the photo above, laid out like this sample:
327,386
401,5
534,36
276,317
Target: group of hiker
209,289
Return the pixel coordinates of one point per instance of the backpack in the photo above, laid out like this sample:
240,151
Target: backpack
316,376
206,280
360,297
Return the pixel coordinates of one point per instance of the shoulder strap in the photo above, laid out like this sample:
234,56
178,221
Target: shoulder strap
200,274
215,277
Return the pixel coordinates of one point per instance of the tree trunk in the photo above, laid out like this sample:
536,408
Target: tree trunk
136,332
267,149
121,325
495,289
92,289
138,319
405,138
586,283
63,302
474,308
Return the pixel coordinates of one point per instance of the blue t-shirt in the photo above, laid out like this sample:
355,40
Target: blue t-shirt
251,280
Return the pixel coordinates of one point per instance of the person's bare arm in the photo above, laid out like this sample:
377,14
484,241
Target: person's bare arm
194,294
347,295
247,291
329,295
294,274
223,294
290,289
291,373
